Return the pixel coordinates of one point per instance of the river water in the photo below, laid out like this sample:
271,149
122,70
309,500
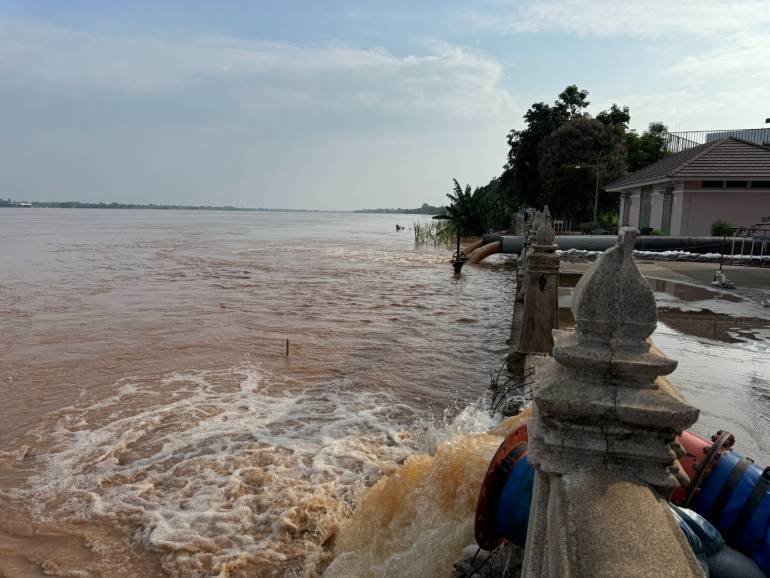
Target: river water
154,425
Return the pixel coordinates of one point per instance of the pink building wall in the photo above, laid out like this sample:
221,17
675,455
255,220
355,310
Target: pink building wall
737,206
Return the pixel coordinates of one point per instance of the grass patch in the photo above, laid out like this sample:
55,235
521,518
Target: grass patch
434,232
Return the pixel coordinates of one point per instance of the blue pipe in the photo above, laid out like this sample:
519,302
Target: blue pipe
735,498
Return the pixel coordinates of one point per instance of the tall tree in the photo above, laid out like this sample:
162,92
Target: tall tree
646,149
543,156
572,102
521,175
573,157
616,117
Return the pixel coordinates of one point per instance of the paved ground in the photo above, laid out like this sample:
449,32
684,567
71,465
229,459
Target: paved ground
751,282
743,277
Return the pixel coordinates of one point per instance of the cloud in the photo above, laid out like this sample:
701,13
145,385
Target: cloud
704,59
699,108
646,18
745,57
231,120
446,78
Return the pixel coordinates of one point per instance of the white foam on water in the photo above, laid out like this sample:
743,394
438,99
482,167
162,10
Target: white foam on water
230,473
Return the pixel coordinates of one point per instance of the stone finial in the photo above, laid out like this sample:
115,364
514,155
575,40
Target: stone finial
612,299
607,407
545,234
601,435
536,221
615,312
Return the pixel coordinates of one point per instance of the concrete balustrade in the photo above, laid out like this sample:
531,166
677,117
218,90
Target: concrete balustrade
602,432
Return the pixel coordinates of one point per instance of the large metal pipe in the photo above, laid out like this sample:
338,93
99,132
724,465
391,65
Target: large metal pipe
514,244
483,252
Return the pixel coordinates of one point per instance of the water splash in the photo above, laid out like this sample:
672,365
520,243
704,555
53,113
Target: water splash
417,521
228,474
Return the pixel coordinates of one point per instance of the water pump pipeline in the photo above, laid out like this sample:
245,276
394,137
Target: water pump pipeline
727,489
514,243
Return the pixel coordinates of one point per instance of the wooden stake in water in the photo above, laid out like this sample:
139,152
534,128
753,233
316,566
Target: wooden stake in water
287,348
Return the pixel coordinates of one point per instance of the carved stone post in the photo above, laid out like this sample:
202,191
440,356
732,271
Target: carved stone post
541,303
516,359
521,291
600,439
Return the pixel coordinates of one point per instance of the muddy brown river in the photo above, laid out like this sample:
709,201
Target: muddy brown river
152,423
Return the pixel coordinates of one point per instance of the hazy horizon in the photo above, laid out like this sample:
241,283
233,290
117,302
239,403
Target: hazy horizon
185,206
341,106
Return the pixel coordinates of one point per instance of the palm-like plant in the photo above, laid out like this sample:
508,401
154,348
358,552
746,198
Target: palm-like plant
467,209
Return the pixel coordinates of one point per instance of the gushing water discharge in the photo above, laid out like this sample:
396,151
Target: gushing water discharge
417,521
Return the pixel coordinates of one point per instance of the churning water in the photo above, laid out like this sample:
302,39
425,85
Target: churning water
153,425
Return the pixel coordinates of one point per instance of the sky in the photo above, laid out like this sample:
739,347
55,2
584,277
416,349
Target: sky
335,104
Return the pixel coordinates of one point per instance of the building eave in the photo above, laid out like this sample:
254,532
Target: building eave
644,183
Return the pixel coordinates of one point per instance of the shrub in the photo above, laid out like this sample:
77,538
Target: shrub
720,228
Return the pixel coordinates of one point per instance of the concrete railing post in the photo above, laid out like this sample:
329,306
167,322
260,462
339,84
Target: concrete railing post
601,437
541,302
521,291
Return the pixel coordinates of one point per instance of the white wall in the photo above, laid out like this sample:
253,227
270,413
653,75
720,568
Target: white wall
633,216
656,206
622,208
676,210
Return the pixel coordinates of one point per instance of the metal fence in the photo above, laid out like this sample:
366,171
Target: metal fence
562,226
682,140
744,246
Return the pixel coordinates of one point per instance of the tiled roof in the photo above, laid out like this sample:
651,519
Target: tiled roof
726,159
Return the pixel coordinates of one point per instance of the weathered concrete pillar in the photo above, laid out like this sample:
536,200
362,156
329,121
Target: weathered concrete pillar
541,303
521,290
516,361
600,439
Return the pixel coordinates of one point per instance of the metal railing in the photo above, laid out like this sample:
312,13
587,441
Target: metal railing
682,140
562,226
746,246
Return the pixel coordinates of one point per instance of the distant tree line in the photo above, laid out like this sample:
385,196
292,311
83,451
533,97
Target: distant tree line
555,160
84,205
425,209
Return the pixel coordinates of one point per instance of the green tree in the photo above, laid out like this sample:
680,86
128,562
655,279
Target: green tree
497,206
571,158
540,166
646,149
572,102
616,117
467,209
521,175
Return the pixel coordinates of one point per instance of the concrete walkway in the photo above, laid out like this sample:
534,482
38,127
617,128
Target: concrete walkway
750,282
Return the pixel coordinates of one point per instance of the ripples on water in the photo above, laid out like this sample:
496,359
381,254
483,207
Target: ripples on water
147,388
152,425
